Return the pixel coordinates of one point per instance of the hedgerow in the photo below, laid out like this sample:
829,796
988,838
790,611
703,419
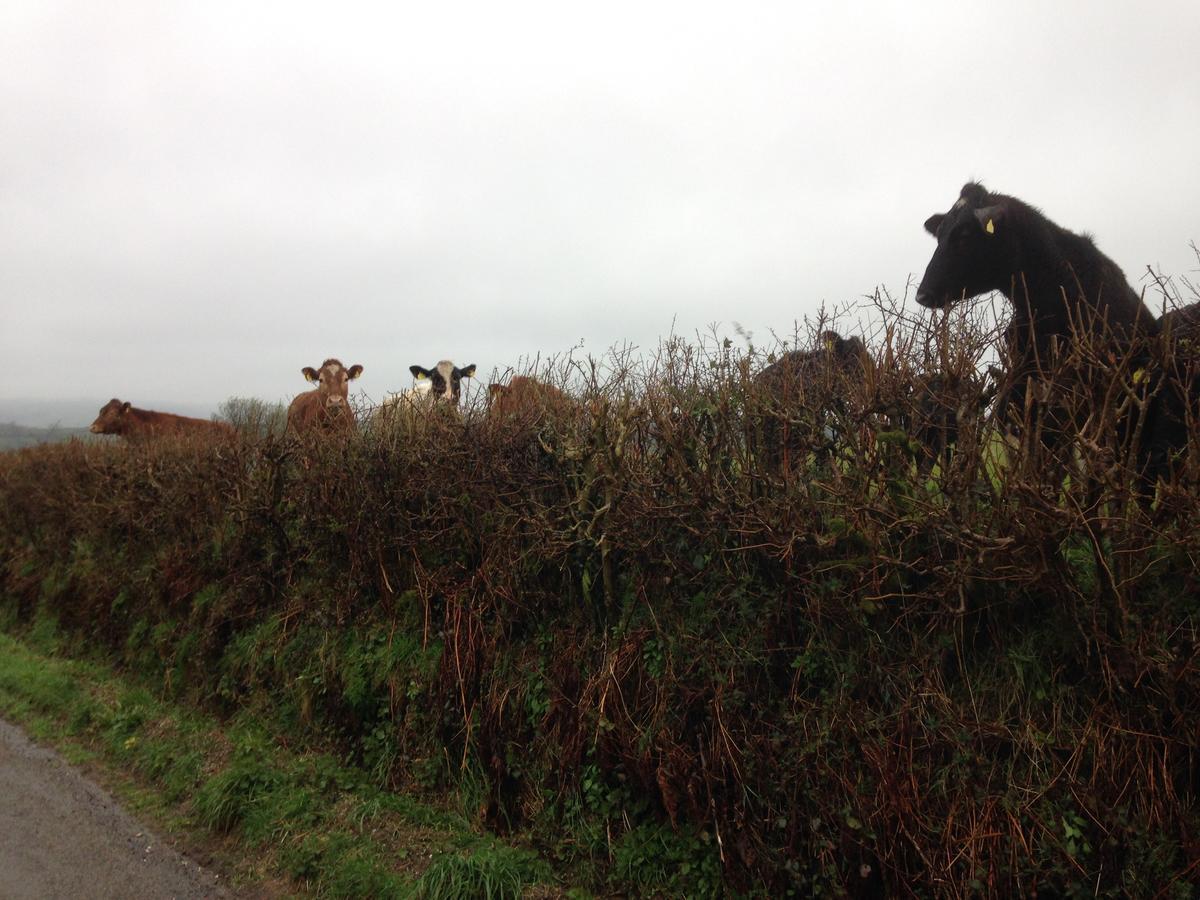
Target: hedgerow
688,637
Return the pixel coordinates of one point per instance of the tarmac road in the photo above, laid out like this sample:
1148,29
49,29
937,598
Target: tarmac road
61,835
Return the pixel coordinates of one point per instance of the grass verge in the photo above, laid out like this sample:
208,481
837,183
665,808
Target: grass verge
276,821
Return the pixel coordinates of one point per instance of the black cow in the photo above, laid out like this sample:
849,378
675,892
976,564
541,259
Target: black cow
1175,412
993,242
1058,281
1183,322
938,407
1065,293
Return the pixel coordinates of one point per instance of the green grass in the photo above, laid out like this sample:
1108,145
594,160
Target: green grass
303,816
489,873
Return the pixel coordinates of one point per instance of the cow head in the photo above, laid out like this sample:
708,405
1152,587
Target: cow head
835,359
842,349
975,252
111,418
333,383
445,379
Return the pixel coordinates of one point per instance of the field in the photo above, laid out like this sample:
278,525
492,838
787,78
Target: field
13,436
683,638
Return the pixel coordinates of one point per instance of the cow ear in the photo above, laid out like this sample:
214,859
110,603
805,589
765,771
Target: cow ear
418,372
125,407
934,222
990,217
468,372
353,372
309,373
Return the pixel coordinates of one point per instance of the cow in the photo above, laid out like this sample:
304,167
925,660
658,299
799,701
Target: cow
1067,298
445,380
1175,411
836,356
327,408
439,388
1056,280
1182,322
526,401
539,424
822,381
134,425
936,409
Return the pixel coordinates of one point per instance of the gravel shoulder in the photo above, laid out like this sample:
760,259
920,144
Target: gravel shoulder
62,835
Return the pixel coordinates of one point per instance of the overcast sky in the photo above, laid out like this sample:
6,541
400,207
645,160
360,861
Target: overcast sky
197,200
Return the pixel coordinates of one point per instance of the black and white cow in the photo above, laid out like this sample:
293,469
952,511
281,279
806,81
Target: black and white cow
445,380
439,387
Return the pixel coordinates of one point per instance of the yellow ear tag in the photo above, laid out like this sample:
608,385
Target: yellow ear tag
422,376
990,228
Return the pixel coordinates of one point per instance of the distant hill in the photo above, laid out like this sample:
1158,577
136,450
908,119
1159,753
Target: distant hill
13,436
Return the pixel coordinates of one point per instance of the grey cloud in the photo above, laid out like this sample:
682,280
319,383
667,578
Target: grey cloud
185,188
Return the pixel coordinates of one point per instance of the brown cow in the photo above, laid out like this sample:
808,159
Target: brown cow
838,363
809,396
328,407
135,424
526,401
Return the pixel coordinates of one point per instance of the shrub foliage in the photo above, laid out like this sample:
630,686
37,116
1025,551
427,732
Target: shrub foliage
695,637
